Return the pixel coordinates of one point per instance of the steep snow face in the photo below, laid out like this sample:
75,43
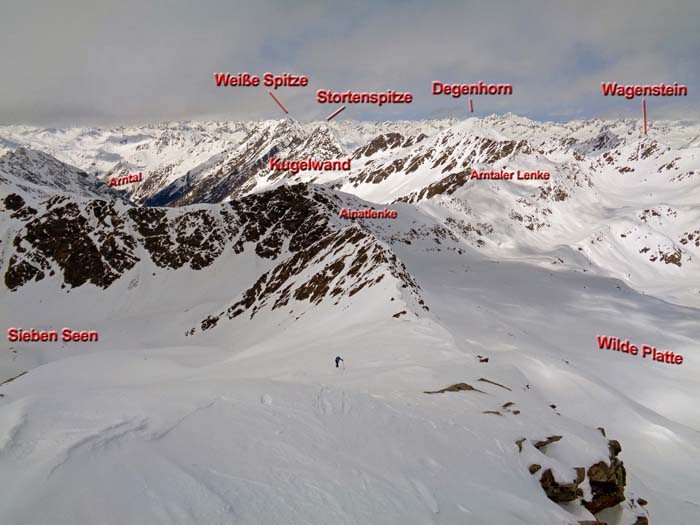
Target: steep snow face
41,175
283,251
253,407
234,172
634,220
173,146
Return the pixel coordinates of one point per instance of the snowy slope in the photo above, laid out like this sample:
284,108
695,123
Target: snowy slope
261,427
211,395
40,175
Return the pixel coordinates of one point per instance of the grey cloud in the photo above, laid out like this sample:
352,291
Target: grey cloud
78,62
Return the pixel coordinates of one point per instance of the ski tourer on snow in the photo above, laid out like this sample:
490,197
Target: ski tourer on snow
338,359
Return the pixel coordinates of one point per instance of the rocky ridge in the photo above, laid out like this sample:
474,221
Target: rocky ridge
313,257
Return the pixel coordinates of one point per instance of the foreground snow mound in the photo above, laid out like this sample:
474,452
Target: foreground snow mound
165,438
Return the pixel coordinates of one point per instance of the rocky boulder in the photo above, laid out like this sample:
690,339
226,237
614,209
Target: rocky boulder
607,481
562,492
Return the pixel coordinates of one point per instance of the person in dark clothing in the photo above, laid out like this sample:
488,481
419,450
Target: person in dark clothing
338,359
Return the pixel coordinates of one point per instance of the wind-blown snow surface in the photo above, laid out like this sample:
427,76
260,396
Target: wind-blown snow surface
250,422
272,433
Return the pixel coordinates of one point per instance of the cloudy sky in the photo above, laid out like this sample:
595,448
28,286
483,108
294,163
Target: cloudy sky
127,61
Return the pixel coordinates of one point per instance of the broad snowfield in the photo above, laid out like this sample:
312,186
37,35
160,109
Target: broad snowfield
212,395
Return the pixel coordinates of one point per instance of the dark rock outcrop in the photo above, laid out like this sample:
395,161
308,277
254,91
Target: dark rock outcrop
607,481
97,241
458,387
544,442
534,468
562,492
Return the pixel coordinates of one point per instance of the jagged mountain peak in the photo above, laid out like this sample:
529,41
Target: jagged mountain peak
38,173
604,141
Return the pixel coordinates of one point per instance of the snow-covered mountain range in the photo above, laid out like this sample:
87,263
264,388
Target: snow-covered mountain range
474,388
625,201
